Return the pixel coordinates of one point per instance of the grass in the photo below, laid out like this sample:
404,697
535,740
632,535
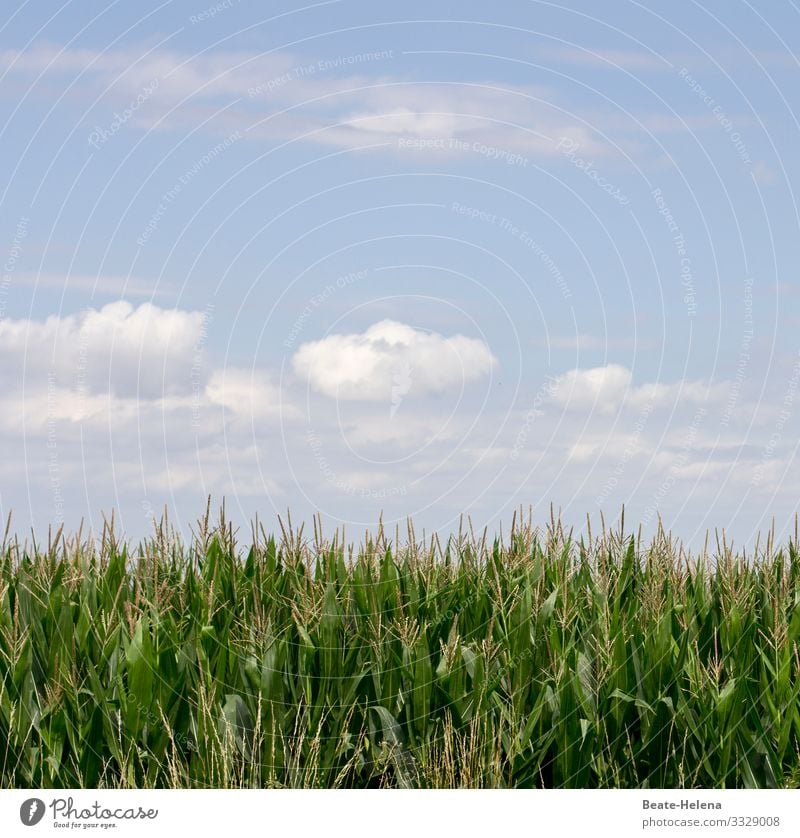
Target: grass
534,660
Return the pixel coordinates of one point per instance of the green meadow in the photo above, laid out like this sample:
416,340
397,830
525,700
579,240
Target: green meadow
531,659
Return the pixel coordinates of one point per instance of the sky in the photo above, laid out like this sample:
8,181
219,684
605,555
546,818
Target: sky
426,260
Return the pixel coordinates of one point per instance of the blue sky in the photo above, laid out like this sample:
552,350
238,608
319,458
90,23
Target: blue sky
355,259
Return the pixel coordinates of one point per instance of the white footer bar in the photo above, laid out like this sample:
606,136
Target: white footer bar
402,814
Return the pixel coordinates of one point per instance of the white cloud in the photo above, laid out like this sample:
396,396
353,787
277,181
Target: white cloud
368,366
138,372
232,470
592,446
487,118
481,117
580,342
146,351
249,394
101,285
278,96
678,392
43,409
601,388
127,71
609,388
406,431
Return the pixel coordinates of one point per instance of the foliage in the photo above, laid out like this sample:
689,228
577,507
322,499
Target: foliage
535,661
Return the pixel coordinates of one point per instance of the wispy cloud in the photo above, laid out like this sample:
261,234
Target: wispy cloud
587,342
105,285
283,96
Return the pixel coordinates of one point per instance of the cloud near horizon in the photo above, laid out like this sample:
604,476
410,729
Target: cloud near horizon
611,388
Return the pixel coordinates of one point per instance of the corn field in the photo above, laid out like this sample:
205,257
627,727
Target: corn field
531,660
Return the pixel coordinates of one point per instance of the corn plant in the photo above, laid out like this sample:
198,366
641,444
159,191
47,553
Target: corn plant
535,660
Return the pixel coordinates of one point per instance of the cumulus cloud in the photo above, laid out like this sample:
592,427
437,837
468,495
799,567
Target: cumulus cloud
388,357
601,388
139,370
125,350
609,388
248,393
